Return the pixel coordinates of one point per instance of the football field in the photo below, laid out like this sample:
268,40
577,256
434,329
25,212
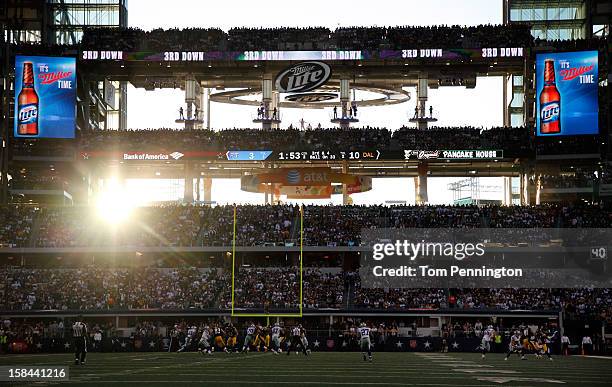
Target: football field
326,369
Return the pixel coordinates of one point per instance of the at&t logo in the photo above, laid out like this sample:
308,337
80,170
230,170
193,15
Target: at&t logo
293,176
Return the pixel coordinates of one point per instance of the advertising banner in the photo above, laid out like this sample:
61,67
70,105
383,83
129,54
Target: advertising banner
45,97
433,53
305,182
566,99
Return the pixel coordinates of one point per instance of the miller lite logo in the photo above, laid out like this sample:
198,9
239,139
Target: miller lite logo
550,112
48,78
28,114
302,77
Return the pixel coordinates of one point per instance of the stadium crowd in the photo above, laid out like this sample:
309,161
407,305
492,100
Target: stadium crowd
175,225
15,225
38,180
266,289
577,180
99,288
93,288
513,139
308,38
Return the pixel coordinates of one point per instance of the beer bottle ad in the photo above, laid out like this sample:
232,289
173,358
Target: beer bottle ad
45,97
566,98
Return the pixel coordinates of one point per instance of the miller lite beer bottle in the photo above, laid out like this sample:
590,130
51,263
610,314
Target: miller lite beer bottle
27,104
550,101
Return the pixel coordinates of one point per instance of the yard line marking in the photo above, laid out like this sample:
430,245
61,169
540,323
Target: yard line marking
243,382
503,380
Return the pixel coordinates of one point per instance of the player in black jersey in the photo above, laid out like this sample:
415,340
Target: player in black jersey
232,338
298,339
218,334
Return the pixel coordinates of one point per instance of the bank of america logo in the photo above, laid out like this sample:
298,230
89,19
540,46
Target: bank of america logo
176,155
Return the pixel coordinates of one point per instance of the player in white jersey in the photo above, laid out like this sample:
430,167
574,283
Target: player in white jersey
276,339
365,342
515,346
204,346
190,339
487,336
250,337
304,340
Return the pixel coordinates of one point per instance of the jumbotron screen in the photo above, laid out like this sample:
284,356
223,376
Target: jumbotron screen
567,93
45,96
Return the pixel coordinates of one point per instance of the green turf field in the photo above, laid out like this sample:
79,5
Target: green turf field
326,369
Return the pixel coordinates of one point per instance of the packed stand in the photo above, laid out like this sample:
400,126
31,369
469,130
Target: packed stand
233,139
38,180
168,225
180,225
307,38
16,225
267,289
282,38
94,288
324,289
135,39
580,179
513,140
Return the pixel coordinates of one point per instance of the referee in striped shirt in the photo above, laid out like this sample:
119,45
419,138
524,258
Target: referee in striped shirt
79,334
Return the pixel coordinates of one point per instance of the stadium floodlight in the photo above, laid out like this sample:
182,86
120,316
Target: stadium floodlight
113,204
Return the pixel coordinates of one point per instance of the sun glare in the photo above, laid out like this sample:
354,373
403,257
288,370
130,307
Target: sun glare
114,204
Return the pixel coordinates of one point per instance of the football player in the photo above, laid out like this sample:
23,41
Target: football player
544,340
276,339
515,346
262,339
487,336
218,334
249,338
204,346
232,338
365,343
298,339
190,339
